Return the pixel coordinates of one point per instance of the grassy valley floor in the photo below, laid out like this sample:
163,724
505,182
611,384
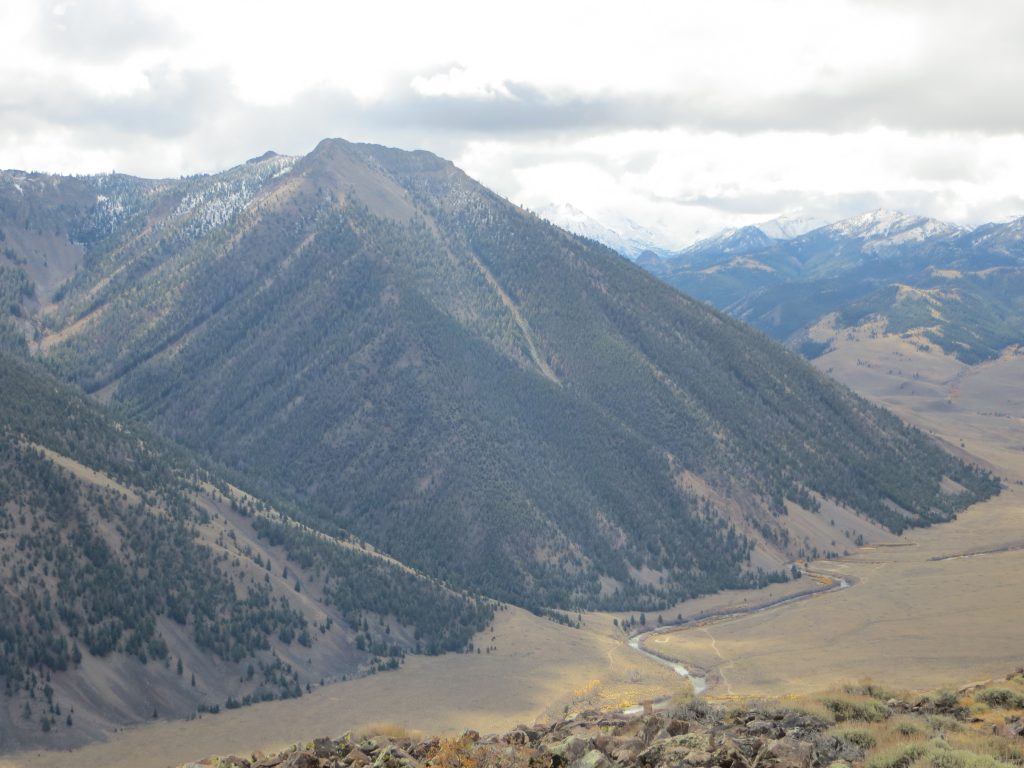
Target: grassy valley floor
937,607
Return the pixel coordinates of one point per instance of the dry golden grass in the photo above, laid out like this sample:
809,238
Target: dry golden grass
452,753
387,728
939,741
538,667
910,620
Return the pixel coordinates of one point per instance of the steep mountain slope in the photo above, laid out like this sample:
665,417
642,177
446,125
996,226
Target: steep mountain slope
132,586
371,335
956,288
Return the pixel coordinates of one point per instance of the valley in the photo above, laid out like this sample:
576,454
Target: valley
572,385
451,419
936,607
932,607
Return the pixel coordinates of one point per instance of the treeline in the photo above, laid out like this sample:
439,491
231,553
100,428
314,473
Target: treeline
973,317
89,567
356,582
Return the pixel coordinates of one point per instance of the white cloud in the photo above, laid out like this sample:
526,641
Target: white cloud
459,81
682,116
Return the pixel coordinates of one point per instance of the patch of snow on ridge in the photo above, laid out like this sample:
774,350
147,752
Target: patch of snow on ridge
790,226
892,226
216,201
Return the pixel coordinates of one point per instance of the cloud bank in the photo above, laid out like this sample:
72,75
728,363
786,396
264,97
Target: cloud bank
684,117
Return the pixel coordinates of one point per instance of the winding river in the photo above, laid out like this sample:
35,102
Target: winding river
699,681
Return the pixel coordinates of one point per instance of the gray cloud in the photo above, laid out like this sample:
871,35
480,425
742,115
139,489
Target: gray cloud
950,165
914,102
199,109
834,207
172,106
180,103
828,207
961,77
765,203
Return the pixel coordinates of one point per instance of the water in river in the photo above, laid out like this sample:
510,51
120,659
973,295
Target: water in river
699,683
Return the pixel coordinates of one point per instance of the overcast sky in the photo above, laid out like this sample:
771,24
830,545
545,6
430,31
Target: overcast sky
684,116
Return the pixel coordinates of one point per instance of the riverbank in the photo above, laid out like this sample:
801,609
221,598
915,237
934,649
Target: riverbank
699,678
927,614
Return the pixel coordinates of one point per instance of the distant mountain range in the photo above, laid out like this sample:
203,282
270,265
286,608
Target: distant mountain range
622,235
428,397
642,244
957,288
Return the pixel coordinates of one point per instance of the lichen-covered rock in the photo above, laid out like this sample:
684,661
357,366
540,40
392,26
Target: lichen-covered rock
764,728
595,758
570,749
789,752
686,749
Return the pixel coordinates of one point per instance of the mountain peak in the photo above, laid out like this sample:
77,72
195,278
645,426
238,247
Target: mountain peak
733,241
268,155
890,225
458,383
788,226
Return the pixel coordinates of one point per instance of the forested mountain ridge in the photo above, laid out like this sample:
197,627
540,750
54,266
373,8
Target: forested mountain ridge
375,338
956,288
133,583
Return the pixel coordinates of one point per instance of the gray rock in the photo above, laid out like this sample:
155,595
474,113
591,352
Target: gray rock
593,759
790,752
626,751
357,757
301,760
677,727
571,748
763,728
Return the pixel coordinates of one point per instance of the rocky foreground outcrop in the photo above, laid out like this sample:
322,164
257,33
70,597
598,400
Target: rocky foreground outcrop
692,735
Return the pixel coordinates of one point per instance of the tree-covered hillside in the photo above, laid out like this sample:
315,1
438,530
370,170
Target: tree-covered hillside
115,549
371,336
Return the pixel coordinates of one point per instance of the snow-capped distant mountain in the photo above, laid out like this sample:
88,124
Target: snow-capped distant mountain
885,227
890,227
1001,236
963,283
755,237
790,226
730,242
622,235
